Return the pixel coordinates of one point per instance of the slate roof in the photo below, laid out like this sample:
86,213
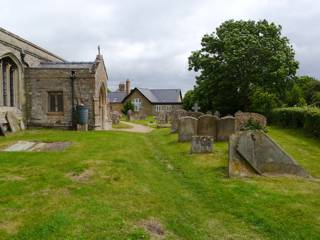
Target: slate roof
161,96
66,65
116,97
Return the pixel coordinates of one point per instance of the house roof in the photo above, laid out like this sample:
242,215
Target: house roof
116,97
160,96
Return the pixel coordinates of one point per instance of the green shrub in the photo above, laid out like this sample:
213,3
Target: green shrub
128,106
307,118
253,125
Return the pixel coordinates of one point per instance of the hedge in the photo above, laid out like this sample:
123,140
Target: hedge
307,118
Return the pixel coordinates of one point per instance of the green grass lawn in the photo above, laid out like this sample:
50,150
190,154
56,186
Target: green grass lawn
121,125
108,183
148,121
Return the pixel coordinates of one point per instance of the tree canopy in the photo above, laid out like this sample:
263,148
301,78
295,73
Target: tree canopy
241,65
188,100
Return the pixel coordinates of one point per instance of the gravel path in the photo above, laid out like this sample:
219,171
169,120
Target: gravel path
135,128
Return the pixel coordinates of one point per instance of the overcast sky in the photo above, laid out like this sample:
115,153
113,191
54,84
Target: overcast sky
149,41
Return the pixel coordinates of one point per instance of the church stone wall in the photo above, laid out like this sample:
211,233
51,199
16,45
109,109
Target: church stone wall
41,81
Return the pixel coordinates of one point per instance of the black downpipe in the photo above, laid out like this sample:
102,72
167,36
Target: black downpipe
73,114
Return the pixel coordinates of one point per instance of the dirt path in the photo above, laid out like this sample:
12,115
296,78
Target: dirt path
135,128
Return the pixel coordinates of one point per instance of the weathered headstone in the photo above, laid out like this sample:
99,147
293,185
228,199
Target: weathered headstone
13,121
217,114
175,119
226,127
201,144
130,115
238,166
262,154
242,118
2,130
195,114
115,117
22,126
162,118
187,128
207,126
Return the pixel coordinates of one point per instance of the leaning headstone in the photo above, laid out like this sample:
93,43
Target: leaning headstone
226,127
22,126
175,119
263,155
2,130
238,167
187,128
201,144
207,126
13,121
242,118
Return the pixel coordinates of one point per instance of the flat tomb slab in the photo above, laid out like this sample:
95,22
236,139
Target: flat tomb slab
28,146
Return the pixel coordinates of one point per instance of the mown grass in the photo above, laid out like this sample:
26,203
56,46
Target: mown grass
148,121
121,125
136,177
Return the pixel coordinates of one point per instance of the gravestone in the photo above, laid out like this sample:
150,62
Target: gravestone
226,127
175,119
201,144
187,128
207,126
262,154
13,121
130,115
115,117
195,114
162,118
238,166
217,114
242,118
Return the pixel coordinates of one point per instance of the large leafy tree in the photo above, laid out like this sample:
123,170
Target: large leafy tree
239,60
188,100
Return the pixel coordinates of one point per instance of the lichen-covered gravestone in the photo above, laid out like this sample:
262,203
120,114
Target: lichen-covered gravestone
115,117
175,119
226,127
195,114
242,118
187,128
201,144
254,152
207,126
13,121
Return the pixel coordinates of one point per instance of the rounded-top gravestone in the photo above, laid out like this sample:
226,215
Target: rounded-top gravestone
175,119
187,128
226,127
207,126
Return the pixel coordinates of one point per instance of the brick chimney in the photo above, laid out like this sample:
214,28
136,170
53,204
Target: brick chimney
122,87
128,86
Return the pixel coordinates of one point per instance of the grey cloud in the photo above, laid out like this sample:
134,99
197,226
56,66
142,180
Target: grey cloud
149,41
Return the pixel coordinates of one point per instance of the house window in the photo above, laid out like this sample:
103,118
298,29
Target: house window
137,104
55,102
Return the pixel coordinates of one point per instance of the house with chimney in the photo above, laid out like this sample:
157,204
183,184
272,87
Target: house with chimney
146,101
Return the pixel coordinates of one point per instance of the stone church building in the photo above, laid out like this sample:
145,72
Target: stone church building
42,88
